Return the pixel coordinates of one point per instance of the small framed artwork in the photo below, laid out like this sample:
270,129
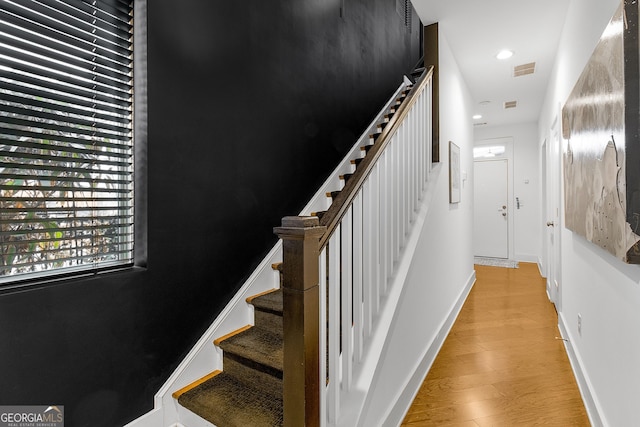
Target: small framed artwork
454,173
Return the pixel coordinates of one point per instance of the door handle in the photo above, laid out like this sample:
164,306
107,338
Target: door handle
504,214
550,224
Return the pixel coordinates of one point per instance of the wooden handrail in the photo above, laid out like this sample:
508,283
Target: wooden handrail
331,219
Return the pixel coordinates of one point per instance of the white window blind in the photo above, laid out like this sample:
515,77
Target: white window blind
66,155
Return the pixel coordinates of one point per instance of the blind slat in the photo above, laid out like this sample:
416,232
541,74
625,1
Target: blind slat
43,136
54,143
85,84
61,108
63,123
31,87
108,257
53,210
85,228
65,199
119,16
52,37
13,35
76,30
99,178
28,115
75,220
36,62
71,150
63,160
54,168
83,95
67,250
44,188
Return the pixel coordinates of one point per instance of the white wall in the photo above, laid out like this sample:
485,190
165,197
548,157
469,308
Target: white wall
594,284
441,273
527,241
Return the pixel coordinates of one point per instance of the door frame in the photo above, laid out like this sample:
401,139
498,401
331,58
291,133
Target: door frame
544,261
507,141
554,212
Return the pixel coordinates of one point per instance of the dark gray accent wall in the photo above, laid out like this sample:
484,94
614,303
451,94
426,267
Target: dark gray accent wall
251,105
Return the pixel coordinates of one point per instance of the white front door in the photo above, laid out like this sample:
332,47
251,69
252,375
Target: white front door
491,225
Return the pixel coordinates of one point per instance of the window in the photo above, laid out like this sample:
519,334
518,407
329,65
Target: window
66,146
488,151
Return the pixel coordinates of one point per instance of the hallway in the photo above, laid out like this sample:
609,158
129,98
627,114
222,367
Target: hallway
502,364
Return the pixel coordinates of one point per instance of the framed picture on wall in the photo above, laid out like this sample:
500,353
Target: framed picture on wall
454,173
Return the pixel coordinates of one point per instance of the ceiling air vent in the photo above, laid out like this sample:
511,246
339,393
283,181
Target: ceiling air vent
510,104
480,124
524,69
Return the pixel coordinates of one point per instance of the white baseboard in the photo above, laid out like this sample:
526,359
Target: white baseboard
404,400
582,379
543,273
153,418
527,258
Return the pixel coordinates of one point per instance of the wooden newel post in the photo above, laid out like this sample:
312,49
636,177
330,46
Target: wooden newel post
300,238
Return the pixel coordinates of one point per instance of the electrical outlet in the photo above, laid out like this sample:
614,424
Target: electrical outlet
579,324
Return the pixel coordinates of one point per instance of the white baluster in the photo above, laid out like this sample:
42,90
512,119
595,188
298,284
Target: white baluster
322,294
347,298
358,250
384,223
412,163
397,203
375,245
333,400
368,261
400,177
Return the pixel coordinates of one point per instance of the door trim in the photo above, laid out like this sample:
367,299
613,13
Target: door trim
507,141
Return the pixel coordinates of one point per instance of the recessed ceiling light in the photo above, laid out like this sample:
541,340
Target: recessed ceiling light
477,116
504,54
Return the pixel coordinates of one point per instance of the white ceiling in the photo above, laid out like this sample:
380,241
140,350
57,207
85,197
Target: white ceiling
477,30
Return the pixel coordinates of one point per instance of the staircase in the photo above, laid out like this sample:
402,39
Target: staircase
339,268
249,389
248,392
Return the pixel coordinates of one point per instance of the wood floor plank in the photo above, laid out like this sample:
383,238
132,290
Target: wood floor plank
502,363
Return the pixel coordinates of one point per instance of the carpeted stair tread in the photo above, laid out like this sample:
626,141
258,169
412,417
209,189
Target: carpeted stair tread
226,402
258,348
271,302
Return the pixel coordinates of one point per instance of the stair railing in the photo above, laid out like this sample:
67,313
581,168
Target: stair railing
337,268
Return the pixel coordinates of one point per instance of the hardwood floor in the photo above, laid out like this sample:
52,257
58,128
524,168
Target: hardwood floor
502,363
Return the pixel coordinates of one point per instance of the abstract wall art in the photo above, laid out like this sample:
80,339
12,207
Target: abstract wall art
601,154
